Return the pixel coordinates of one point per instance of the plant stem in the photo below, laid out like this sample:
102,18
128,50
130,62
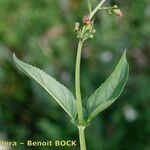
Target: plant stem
77,82
104,8
89,6
78,96
81,126
82,138
96,8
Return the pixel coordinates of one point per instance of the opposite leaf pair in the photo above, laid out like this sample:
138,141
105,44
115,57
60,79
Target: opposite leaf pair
102,98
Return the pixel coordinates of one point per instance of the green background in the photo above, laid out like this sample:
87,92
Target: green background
40,32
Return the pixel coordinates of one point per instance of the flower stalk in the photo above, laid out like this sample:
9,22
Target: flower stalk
86,32
77,82
83,33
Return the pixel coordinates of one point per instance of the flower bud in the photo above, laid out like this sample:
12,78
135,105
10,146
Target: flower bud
86,20
91,36
109,11
118,12
115,7
93,31
76,26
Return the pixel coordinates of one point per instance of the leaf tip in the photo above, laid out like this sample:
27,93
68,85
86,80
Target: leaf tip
125,52
124,55
14,57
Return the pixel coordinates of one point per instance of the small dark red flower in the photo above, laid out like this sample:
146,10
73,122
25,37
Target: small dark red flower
86,20
118,12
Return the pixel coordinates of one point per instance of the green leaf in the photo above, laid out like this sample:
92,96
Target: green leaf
58,91
109,91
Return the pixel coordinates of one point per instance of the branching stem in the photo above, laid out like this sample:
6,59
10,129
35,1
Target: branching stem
79,107
96,8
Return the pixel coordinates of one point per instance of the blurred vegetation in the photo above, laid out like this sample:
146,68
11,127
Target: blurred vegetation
41,32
